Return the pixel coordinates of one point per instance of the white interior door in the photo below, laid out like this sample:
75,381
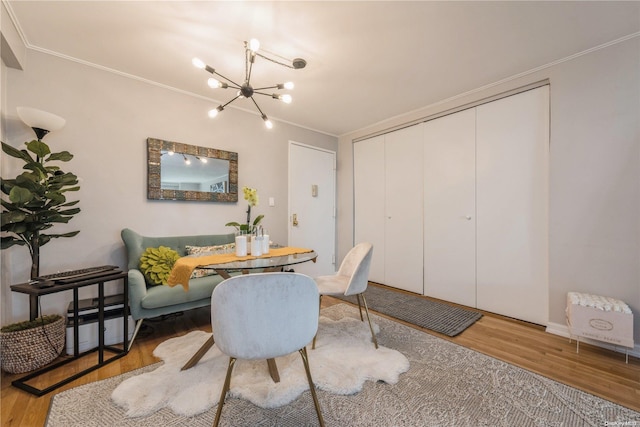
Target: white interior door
403,209
512,203
368,186
312,204
449,208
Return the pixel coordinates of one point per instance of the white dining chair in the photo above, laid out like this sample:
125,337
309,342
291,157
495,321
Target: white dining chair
352,278
264,316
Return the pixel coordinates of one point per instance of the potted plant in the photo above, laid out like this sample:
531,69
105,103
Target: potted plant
248,229
26,346
251,196
36,199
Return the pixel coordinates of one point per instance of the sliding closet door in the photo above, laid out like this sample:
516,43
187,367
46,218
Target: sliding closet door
403,209
368,190
512,203
449,208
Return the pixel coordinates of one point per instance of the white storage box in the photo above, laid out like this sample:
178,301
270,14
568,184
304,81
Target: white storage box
88,323
600,318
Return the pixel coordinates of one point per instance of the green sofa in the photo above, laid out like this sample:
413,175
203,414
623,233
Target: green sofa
152,301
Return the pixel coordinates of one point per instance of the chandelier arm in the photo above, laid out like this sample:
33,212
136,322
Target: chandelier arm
246,61
237,86
249,66
270,95
232,99
256,104
274,61
266,87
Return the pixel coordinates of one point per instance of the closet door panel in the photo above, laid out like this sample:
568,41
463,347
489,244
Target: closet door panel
512,193
449,208
403,209
368,183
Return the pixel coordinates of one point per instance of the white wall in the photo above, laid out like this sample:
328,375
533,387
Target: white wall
109,118
594,216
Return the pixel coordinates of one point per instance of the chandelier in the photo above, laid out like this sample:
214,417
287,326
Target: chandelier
245,90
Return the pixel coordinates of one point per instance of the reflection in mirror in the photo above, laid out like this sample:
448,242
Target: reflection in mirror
179,171
193,173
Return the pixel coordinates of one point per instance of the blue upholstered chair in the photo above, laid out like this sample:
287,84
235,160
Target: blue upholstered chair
351,279
264,316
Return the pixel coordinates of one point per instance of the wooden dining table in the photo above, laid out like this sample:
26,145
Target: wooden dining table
267,263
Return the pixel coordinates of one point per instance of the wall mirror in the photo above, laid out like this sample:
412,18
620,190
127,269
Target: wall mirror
177,171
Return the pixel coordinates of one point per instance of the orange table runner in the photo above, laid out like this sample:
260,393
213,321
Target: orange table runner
184,266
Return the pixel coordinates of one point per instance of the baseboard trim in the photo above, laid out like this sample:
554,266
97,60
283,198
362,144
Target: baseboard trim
563,331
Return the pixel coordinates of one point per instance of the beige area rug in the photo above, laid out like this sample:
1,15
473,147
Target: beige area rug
446,385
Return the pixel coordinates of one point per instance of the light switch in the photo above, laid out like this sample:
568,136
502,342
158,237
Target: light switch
314,190
272,201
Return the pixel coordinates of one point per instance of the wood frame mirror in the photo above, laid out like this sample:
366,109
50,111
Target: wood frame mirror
212,174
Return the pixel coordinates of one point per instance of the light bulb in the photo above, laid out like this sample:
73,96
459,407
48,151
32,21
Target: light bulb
288,85
213,83
202,159
197,62
215,111
267,122
286,98
171,152
254,45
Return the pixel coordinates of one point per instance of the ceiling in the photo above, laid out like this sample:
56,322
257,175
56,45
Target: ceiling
367,61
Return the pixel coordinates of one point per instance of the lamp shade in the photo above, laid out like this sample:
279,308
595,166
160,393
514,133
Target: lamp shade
40,119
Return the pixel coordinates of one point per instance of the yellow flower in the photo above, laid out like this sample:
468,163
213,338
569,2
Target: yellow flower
250,195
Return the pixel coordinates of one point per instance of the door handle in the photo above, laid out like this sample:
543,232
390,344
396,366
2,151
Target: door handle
295,220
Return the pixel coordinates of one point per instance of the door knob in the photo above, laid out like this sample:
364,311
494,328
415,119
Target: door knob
295,220
468,217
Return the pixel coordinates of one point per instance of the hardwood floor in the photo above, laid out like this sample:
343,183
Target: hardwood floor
595,370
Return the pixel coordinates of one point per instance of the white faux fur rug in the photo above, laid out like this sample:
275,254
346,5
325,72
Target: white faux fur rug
344,358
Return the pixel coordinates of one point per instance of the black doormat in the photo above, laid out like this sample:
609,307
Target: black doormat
436,316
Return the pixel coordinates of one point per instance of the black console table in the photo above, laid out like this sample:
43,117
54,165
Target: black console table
37,290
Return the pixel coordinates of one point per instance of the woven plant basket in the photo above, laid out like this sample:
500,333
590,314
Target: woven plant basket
30,349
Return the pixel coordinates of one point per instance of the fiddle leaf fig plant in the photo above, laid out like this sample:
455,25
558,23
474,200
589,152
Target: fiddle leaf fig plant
35,200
